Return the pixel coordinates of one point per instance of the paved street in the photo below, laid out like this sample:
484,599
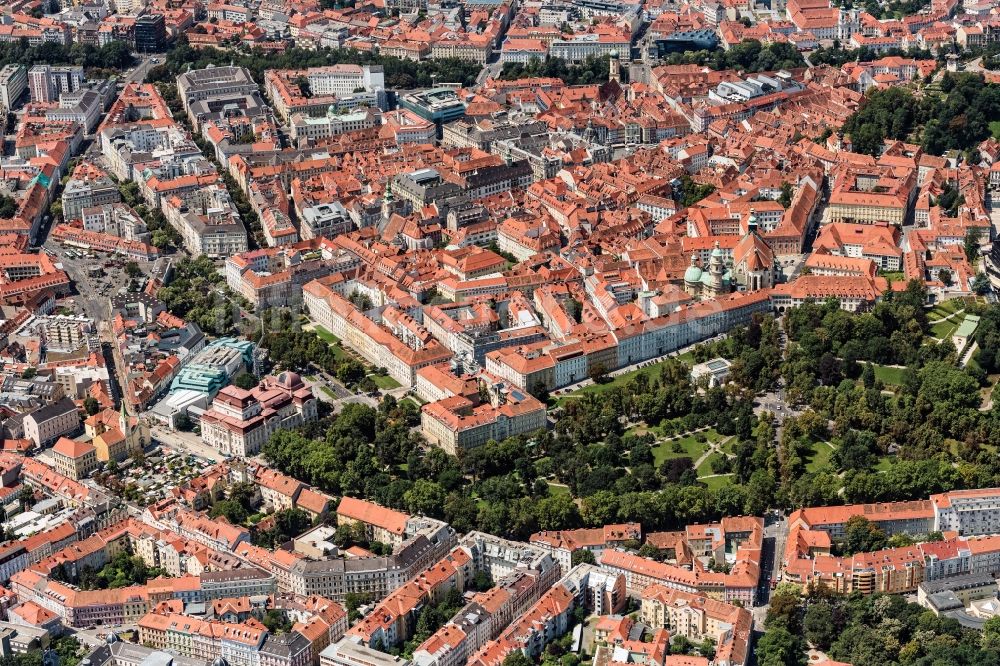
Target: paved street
91,297
775,535
341,396
138,75
186,442
96,636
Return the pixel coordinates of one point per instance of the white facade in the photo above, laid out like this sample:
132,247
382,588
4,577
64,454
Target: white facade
343,80
973,512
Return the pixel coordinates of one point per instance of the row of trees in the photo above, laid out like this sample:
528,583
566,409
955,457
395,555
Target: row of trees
593,70
112,56
837,56
748,56
399,73
295,349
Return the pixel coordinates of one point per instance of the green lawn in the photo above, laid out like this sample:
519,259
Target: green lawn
688,445
557,489
884,463
995,128
385,382
943,329
716,482
889,376
974,365
332,340
821,452
326,336
950,306
705,468
311,378
326,389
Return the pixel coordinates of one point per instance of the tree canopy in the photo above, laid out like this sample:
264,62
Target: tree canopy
750,55
876,630
399,72
957,119
592,70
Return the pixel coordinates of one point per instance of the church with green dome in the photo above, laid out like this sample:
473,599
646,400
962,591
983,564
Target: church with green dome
710,283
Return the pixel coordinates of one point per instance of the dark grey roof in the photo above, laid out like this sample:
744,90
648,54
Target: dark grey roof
964,582
285,645
966,620
52,411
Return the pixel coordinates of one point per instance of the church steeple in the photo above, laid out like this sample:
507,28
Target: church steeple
387,203
124,421
614,67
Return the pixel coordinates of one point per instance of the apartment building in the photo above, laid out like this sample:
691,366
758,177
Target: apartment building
47,82
43,426
82,106
888,571
375,342
563,543
428,542
315,128
381,524
577,48
916,517
234,642
739,584
967,512
208,222
878,242
549,617
853,293
822,263
554,365
346,652
698,618
273,277
486,615
73,459
344,86
13,83
872,195
279,491
88,191
392,621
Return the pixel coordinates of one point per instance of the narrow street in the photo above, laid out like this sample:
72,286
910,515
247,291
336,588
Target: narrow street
775,535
